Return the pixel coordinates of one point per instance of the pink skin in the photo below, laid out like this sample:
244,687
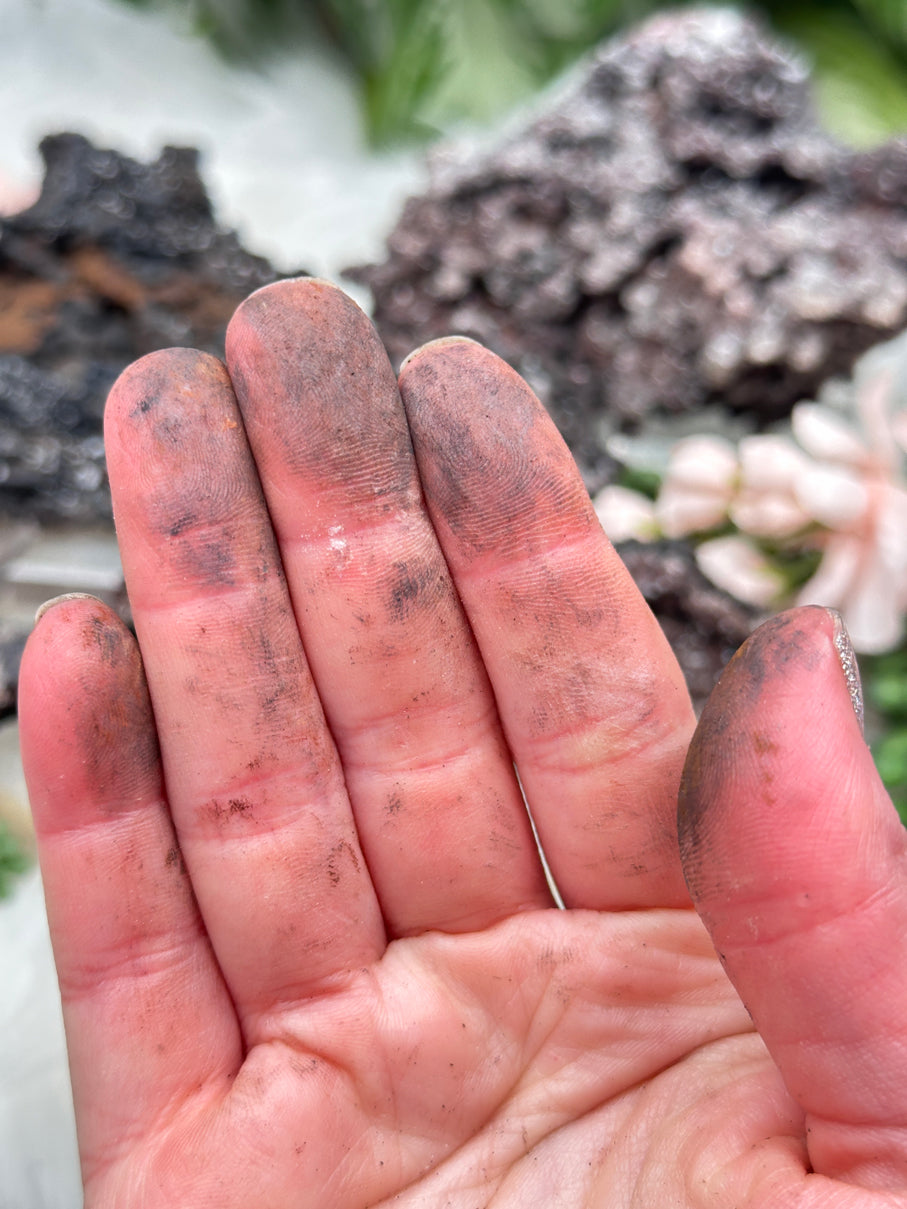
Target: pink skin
306,950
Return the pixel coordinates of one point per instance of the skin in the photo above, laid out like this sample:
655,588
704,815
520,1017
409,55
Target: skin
307,953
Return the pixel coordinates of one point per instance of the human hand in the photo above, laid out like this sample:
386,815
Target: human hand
306,950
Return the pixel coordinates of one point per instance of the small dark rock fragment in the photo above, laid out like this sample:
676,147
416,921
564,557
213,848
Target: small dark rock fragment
11,648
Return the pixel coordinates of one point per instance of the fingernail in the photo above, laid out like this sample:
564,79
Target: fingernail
55,600
848,659
434,344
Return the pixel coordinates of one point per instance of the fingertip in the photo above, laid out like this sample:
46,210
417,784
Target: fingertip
489,455
459,367
138,386
319,402
67,625
149,397
778,775
85,722
64,598
284,311
303,340
69,631
770,689
438,346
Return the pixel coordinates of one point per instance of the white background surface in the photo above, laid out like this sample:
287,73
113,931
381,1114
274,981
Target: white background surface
285,162
284,157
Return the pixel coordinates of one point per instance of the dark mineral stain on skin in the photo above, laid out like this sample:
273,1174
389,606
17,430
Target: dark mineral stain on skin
414,586
174,860
451,446
187,521
452,456
764,745
222,813
116,730
490,458
778,643
144,405
104,637
198,475
211,562
720,740
339,853
307,362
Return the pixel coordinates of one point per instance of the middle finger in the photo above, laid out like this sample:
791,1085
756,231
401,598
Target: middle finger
437,805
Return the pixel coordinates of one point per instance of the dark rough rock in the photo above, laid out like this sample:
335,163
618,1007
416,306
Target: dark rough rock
676,232
11,648
703,624
115,259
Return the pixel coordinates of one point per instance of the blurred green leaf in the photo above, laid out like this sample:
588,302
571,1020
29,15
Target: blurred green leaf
796,565
890,755
885,692
888,17
888,695
406,64
885,683
646,482
13,859
425,64
860,79
488,64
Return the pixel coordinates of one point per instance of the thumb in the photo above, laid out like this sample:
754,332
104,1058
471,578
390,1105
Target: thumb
797,863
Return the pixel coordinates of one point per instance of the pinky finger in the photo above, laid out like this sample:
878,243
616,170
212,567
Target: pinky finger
149,1025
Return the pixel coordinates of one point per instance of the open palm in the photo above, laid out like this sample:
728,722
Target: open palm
307,951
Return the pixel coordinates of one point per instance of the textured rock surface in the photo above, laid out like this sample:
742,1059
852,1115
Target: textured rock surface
703,624
674,233
10,656
115,259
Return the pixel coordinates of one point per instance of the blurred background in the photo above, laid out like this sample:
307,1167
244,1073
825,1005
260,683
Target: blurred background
315,120
420,66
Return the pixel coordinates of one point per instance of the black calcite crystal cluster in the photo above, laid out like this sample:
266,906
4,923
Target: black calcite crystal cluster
675,232
115,259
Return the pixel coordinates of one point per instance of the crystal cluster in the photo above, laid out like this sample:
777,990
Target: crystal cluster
675,232
116,258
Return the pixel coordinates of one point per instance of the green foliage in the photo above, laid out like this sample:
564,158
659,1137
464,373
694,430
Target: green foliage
426,64
797,565
887,17
13,859
885,691
890,755
242,30
646,482
860,64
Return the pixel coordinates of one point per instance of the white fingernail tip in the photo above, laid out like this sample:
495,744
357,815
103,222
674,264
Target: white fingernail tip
55,600
435,343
